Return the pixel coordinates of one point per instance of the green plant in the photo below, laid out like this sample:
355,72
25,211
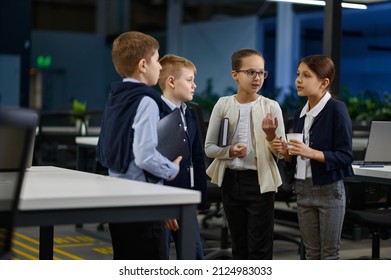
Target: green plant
79,110
367,105
207,98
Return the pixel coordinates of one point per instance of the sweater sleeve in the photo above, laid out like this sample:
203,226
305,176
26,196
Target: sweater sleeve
145,141
212,150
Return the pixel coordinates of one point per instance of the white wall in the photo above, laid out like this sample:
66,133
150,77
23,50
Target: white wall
9,80
81,68
209,45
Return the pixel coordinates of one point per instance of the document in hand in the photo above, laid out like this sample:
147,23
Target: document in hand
172,139
223,134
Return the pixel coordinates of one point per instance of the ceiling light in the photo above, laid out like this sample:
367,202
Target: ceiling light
323,3
353,6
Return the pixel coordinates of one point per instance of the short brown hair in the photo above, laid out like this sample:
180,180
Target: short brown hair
129,48
172,65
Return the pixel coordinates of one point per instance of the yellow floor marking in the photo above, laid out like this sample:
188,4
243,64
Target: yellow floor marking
74,245
26,255
23,245
104,251
25,237
55,250
69,255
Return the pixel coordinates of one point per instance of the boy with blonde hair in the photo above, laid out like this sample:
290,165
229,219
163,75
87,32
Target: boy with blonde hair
128,138
177,83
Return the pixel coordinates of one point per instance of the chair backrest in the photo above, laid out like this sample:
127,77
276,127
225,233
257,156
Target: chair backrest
362,195
201,125
55,142
17,131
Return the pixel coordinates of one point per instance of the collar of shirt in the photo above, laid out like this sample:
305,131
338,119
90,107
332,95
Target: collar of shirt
130,80
317,109
173,106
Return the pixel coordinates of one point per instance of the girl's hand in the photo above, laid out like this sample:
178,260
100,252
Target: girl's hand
282,149
280,146
238,150
269,126
298,148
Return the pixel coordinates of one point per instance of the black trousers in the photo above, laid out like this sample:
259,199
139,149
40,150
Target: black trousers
138,241
250,215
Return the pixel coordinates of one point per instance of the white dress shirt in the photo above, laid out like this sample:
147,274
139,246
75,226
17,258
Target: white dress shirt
303,167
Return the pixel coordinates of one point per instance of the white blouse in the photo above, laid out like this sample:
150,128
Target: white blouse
243,135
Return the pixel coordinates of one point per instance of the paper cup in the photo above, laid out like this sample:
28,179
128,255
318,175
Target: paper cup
296,136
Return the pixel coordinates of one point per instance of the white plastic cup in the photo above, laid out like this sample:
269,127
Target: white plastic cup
296,136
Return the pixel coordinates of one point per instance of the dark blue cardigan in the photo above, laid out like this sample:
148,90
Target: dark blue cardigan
331,132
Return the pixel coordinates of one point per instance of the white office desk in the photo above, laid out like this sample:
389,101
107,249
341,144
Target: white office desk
87,140
373,174
52,196
68,130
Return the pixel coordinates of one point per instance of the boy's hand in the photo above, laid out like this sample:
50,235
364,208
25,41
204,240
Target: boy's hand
177,162
171,224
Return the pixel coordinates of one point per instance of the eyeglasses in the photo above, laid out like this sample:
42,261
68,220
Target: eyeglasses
252,73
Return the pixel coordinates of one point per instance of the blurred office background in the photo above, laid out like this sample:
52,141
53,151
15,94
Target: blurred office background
55,56
55,51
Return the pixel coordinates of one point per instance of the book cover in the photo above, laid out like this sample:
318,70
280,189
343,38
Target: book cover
223,134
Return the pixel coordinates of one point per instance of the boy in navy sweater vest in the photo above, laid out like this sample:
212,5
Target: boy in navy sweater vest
128,139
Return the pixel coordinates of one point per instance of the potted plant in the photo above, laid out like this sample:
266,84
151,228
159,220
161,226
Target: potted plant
367,106
79,116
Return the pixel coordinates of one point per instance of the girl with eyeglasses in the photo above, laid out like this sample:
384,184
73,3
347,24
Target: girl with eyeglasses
245,169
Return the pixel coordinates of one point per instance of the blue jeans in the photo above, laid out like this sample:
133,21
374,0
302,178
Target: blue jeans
175,237
321,211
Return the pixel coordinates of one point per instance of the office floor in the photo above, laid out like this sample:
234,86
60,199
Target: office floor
89,243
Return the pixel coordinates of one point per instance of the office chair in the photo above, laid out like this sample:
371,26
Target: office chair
214,198
369,206
17,130
287,215
213,192
55,141
224,252
93,119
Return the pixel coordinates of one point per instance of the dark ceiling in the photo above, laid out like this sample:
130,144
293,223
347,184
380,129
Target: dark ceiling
145,15
149,15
